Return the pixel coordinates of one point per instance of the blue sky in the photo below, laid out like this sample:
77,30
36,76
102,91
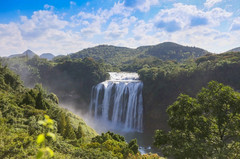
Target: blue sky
62,26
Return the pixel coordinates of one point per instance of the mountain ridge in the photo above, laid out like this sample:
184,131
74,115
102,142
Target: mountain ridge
28,53
48,56
118,55
237,49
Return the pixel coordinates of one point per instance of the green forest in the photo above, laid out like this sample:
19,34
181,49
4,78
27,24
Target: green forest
191,103
34,126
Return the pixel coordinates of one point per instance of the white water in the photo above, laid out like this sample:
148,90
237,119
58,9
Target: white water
119,102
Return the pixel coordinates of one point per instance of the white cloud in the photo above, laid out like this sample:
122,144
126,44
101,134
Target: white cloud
186,24
10,39
142,5
119,9
182,17
91,30
39,23
102,14
209,39
59,42
43,32
119,28
46,31
146,5
114,31
141,29
206,38
46,6
211,3
140,34
91,23
72,3
134,43
217,15
235,25
129,21
196,28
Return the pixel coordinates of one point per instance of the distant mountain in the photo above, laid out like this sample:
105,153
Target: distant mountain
173,51
118,55
48,56
28,53
108,53
237,49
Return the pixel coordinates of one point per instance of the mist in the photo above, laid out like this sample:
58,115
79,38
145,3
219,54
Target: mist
100,125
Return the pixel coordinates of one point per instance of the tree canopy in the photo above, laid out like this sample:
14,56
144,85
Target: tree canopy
203,127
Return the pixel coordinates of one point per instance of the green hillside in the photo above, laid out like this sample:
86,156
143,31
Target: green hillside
20,110
107,53
121,55
173,51
65,78
164,81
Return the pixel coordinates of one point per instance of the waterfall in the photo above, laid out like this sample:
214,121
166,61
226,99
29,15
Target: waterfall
119,101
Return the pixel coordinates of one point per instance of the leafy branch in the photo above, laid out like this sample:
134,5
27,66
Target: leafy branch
41,139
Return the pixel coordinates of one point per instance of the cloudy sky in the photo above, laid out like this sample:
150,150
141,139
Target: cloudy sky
62,26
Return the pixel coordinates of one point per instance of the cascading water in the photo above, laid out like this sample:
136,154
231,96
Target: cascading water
119,101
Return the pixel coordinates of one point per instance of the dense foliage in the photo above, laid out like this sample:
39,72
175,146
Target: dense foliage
107,53
75,74
115,144
21,108
121,55
78,76
161,68
21,135
140,63
165,81
63,77
203,127
173,51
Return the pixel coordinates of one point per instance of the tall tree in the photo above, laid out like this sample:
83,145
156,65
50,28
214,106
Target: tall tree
69,131
62,124
79,132
133,146
203,127
40,103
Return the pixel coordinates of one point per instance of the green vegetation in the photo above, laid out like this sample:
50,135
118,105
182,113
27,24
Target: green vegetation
115,144
81,70
72,77
203,127
22,112
166,70
164,82
120,55
78,76
173,51
21,108
138,64
107,53
45,151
